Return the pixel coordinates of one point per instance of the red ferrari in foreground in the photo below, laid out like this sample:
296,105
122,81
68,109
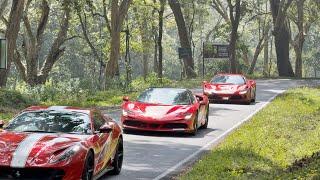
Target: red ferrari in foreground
230,87
166,109
60,143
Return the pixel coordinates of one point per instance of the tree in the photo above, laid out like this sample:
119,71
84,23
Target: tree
234,19
33,43
160,34
183,36
119,11
281,33
11,33
303,16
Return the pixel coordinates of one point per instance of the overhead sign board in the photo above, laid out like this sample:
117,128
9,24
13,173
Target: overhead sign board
215,51
184,53
3,53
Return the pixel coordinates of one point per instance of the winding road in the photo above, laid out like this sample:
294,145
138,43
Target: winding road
163,155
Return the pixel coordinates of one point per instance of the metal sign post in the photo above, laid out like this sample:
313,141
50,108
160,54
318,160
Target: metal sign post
3,53
214,51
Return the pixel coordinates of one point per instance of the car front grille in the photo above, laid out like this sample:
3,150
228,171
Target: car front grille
31,173
134,123
139,124
175,126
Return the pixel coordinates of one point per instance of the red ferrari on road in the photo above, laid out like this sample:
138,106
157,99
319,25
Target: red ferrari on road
230,87
166,109
60,143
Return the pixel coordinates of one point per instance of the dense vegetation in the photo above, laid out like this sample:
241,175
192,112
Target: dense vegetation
106,44
280,142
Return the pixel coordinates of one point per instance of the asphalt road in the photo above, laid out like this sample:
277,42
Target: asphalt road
163,155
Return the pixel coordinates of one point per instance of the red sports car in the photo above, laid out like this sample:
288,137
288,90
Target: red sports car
230,87
166,109
60,143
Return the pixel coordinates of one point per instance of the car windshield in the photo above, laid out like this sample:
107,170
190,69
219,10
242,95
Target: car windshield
238,80
165,96
51,122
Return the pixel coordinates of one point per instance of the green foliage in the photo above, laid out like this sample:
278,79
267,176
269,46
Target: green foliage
11,102
268,146
14,99
151,81
53,91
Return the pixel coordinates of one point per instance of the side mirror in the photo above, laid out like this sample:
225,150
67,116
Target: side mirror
250,82
202,103
125,98
105,129
1,124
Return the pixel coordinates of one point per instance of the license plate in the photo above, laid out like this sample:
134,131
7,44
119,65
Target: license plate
225,98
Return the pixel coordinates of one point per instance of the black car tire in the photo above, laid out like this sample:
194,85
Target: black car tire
254,97
88,168
205,126
195,126
118,158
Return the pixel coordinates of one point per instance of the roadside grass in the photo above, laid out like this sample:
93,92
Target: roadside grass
282,141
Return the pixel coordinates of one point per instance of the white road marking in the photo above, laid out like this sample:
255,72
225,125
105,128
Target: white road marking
22,152
209,144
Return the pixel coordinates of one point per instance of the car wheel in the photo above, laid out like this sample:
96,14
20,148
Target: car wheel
118,159
205,126
195,126
254,96
88,169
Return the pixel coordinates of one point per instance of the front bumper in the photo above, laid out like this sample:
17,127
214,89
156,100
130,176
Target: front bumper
129,123
70,169
31,173
228,97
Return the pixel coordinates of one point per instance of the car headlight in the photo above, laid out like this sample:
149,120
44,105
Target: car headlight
127,112
188,116
244,91
67,154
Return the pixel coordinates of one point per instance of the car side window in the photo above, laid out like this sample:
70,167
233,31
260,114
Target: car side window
98,121
192,98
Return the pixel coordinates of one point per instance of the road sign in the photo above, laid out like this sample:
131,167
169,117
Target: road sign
215,51
3,53
184,53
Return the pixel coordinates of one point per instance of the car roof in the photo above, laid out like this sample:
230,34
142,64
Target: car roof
59,108
169,88
228,74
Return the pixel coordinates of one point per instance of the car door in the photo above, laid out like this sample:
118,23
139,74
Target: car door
103,142
201,108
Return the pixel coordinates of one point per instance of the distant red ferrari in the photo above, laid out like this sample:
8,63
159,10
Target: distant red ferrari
60,143
230,87
166,109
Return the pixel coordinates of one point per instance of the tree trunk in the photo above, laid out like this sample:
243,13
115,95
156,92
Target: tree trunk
266,57
298,45
12,35
183,36
155,41
259,48
160,66
282,51
118,13
235,19
282,37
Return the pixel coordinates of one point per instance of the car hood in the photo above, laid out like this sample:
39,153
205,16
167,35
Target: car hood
158,111
27,149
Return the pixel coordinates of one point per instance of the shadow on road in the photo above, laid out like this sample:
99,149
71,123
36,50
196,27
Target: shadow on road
145,158
201,133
